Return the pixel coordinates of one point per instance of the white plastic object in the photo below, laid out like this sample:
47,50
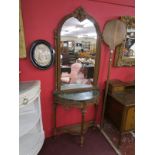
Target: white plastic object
31,133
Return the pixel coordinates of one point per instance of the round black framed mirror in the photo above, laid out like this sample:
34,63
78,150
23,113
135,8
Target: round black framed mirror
42,54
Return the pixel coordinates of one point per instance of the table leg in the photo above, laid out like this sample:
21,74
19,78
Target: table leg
83,111
55,109
95,116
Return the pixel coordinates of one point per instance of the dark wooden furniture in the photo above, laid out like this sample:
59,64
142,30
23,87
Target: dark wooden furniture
80,100
120,106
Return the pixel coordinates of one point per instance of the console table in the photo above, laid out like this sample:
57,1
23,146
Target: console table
80,100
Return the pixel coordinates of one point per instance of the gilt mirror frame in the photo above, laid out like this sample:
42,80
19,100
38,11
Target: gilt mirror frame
81,15
120,60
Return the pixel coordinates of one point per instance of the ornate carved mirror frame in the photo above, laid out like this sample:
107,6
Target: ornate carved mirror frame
124,53
81,15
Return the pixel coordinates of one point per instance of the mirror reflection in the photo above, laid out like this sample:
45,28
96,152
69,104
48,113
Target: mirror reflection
125,53
78,52
129,44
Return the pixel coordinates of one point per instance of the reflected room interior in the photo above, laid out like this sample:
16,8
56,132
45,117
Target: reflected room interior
78,51
125,52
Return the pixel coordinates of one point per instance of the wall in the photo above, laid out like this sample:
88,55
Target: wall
40,19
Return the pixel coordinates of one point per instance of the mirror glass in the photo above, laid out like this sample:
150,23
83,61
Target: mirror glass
129,44
77,53
125,53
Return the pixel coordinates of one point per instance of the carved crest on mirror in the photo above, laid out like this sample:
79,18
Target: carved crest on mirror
80,14
77,52
125,53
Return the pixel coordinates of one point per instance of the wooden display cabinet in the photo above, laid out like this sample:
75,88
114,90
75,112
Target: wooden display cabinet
120,106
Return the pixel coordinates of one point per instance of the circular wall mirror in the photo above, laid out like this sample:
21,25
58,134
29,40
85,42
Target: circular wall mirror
42,54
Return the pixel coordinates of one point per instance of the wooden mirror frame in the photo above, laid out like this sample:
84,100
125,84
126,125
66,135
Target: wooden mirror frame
22,45
81,15
119,62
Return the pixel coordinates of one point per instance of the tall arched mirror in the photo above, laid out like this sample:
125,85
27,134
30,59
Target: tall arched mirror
78,50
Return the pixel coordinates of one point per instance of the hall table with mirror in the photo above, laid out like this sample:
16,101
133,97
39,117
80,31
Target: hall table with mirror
120,106
80,100
78,42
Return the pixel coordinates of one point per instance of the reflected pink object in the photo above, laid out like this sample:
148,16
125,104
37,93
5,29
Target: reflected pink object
76,76
75,70
65,77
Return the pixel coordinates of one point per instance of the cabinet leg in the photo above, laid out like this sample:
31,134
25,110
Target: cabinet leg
83,111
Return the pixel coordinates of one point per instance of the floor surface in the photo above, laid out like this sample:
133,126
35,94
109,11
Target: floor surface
66,144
